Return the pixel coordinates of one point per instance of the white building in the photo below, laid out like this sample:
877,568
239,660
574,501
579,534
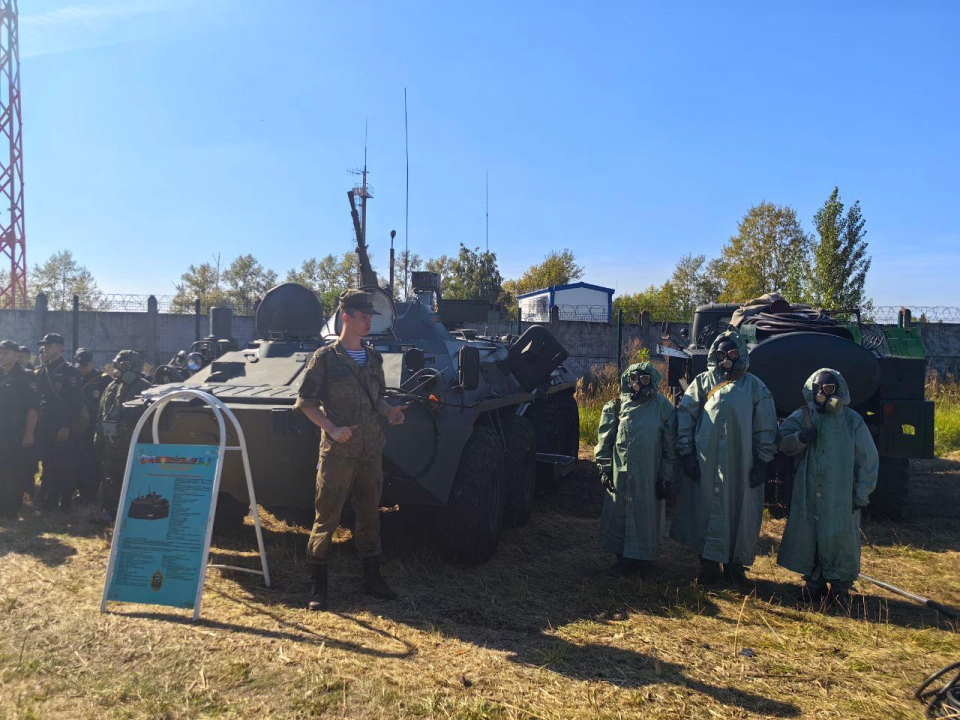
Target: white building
576,301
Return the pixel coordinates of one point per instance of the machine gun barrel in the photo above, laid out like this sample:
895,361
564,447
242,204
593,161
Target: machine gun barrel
367,276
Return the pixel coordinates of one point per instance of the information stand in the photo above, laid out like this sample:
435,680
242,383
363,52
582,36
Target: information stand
161,540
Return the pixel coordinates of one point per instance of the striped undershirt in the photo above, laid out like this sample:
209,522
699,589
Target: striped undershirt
359,356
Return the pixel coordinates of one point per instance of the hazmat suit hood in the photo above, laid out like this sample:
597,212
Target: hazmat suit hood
645,367
842,395
742,363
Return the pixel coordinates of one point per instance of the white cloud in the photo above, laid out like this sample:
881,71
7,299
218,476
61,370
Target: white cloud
83,14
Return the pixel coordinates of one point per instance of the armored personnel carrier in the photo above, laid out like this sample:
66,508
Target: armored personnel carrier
885,368
487,419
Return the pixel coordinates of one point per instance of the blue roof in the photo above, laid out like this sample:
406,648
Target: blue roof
554,289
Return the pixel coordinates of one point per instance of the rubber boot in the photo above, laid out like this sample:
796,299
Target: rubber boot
840,594
708,572
619,567
372,582
737,574
813,593
318,588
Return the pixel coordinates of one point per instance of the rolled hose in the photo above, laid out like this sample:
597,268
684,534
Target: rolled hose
943,702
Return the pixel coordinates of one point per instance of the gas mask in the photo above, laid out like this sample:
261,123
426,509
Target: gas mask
126,368
641,384
825,388
727,354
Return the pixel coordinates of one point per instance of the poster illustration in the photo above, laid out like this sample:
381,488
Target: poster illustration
163,525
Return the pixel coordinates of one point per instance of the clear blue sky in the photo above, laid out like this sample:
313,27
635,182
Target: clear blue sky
158,133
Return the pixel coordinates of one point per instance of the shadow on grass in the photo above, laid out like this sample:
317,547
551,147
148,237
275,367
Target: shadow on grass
290,630
49,550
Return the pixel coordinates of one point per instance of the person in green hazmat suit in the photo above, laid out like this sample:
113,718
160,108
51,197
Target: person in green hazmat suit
635,454
835,475
727,431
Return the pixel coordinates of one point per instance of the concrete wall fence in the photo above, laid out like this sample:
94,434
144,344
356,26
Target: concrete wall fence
156,336
159,336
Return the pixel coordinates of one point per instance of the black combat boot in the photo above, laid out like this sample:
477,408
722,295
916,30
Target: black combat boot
372,582
708,572
318,588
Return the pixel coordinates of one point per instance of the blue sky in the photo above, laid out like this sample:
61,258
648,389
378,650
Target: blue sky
158,133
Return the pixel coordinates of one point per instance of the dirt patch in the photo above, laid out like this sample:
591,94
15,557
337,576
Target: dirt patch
538,632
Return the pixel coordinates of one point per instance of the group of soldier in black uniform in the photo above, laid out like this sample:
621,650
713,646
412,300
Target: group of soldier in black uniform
66,419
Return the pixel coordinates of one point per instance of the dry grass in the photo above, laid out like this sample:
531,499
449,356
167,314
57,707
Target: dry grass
538,632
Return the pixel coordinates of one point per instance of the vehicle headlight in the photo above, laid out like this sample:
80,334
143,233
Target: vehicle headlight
195,361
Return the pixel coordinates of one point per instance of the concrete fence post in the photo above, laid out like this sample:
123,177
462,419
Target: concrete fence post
619,340
152,340
196,319
41,315
75,324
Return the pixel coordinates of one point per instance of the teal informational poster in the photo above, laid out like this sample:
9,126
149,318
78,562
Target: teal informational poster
163,525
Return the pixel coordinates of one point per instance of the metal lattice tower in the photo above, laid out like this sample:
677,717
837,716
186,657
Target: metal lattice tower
13,244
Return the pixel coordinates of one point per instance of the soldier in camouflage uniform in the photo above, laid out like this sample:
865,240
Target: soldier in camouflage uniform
92,384
113,435
343,393
18,420
60,402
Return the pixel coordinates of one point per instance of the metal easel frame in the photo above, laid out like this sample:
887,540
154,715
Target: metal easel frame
219,409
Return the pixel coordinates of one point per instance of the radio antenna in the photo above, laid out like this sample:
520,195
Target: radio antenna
406,220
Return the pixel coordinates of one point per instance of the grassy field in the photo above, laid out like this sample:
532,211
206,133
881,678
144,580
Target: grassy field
541,631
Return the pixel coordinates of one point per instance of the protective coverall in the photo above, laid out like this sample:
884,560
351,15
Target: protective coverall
728,422
835,475
635,447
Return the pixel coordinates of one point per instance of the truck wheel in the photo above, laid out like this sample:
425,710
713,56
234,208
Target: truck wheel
521,465
569,415
545,417
469,526
889,499
230,513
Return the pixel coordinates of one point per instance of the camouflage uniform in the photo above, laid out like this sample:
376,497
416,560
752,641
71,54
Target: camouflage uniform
59,386
114,436
92,386
348,394
18,395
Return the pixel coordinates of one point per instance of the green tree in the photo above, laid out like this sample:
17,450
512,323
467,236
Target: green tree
768,254
202,281
60,278
694,282
663,302
840,261
247,281
328,276
413,263
475,276
445,267
557,268
4,279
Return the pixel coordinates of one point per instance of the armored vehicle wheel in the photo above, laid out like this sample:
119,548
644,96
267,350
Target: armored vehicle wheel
469,526
887,502
569,416
230,513
521,466
545,417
